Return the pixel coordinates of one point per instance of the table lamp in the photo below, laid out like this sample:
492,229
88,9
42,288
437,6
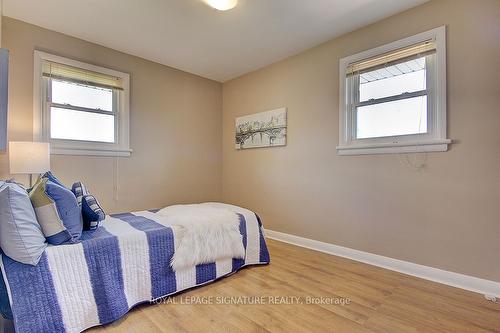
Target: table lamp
29,158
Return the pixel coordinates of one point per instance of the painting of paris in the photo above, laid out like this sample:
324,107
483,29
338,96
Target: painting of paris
264,129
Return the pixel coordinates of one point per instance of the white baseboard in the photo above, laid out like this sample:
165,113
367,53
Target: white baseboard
482,286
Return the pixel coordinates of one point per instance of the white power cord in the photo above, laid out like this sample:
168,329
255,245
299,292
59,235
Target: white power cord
115,178
405,159
414,162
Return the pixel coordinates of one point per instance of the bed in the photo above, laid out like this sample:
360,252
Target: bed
125,262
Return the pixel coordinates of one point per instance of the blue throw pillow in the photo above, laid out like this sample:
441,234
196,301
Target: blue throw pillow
79,191
57,212
92,212
50,176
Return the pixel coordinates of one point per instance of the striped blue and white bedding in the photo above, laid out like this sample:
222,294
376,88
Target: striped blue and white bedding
124,263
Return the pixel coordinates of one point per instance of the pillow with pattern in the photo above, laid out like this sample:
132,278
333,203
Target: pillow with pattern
92,212
79,191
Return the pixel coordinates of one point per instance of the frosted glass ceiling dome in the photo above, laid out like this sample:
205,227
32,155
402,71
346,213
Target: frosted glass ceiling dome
222,4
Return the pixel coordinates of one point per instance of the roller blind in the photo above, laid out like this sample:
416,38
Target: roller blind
390,58
81,76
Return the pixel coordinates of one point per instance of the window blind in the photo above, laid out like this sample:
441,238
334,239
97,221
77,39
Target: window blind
68,73
390,58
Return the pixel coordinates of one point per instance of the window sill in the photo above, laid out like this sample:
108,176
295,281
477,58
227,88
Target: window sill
91,152
395,148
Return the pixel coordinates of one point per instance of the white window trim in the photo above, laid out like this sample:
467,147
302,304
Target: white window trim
41,127
433,141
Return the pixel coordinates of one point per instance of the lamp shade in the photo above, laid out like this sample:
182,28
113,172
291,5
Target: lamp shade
29,157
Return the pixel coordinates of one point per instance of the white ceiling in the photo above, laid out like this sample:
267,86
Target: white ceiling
189,35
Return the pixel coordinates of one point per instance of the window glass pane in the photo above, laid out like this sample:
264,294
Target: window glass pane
393,80
79,125
80,95
402,117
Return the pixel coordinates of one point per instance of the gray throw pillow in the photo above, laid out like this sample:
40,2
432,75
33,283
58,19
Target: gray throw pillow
21,236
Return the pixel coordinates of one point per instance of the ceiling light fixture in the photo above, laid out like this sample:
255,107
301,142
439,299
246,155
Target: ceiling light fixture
222,4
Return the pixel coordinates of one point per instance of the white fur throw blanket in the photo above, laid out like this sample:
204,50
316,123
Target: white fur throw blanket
203,234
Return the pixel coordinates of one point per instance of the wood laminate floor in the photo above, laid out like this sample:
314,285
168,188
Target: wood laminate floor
379,301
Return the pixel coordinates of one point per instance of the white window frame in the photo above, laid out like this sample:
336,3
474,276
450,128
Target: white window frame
435,139
41,112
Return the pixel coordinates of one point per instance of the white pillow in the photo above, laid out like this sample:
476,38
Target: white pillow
21,236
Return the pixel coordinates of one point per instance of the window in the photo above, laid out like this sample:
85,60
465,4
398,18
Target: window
393,98
81,109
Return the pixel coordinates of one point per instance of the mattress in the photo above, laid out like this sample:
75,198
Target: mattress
125,262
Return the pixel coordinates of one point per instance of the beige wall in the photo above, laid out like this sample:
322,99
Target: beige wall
175,127
445,215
